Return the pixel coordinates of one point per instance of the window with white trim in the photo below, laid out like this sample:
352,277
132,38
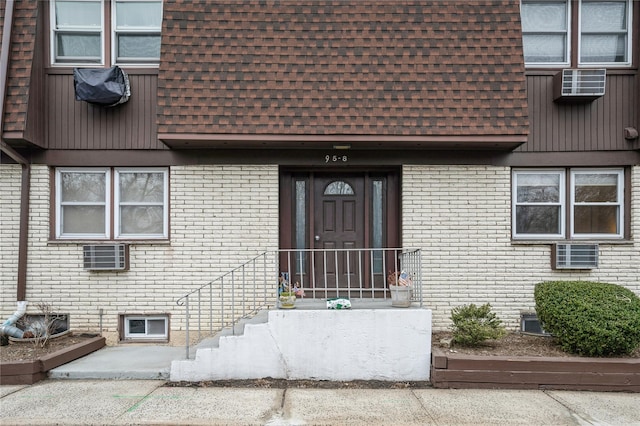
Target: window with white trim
603,35
146,327
597,203
81,32
84,207
591,208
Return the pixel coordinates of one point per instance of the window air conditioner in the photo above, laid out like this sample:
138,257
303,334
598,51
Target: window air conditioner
106,257
574,256
579,85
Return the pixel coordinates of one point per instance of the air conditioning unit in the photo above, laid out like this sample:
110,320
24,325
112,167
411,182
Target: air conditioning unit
574,256
106,257
579,85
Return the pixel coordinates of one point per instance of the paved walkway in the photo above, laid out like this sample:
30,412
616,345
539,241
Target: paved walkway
139,402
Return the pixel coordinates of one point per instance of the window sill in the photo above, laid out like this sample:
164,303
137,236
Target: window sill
130,70
130,242
561,241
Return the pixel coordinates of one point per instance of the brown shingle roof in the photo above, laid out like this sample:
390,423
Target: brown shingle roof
23,39
343,67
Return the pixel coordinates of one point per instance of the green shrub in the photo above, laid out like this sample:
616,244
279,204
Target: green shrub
474,324
589,318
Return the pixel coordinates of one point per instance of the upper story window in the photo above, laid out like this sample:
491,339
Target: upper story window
576,33
591,208
105,32
86,209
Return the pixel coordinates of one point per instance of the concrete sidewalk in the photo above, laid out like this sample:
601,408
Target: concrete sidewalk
139,402
134,361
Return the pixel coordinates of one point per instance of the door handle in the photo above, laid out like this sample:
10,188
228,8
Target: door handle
317,238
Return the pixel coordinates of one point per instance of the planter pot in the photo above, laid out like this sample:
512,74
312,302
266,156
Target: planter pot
400,296
287,300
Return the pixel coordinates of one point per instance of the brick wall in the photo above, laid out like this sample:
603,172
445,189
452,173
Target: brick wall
220,217
461,218
10,177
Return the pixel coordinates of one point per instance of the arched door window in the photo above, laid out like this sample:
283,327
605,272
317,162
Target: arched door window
339,187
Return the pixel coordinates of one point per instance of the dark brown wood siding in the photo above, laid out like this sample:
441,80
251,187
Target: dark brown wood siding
592,126
72,124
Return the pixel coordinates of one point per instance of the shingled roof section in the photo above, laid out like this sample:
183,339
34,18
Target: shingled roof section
344,67
23,39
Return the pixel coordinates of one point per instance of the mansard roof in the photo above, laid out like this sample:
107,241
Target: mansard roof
363,68
21,59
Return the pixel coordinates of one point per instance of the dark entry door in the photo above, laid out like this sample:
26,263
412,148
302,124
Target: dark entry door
329,212
339,224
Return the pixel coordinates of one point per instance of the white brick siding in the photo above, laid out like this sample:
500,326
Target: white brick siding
223,215
461,218
220,217
10,177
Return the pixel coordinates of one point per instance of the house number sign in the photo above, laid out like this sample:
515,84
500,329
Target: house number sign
335,159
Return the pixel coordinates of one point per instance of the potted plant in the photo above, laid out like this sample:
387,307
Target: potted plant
287,293
400,286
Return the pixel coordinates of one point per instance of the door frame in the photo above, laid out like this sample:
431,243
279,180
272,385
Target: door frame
392,219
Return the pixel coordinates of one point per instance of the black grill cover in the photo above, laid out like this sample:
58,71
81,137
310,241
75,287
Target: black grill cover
101,86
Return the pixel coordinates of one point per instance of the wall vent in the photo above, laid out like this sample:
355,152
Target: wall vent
579,85
106,257
574,256
530,324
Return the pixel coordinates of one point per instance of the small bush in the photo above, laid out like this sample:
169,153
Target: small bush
589,318
474,324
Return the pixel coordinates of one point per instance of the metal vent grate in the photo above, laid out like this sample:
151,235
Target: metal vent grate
105,257
530,324
575,256
580,84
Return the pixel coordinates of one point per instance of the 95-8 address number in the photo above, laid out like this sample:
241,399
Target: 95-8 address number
335,159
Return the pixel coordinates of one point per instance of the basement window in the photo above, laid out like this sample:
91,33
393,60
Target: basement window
146,327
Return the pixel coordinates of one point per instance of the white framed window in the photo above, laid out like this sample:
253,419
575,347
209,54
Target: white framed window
603,36
545,32
136,31
141,200
139,209
591,208
605,32
146,327
82,200
80,33
77,32
538,197
597,203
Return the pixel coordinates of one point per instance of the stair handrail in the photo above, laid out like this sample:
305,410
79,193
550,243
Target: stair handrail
231,275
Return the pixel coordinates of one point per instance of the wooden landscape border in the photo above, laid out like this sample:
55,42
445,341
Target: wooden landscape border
30,372
460,371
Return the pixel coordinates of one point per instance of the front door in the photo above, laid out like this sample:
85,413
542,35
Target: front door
337,219
339,225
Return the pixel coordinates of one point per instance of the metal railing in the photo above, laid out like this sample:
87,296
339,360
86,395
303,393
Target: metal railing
316,273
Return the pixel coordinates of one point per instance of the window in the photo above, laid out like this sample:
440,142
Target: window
77,31
545,35
146,327
538,199
81,32
136,35
84,208
602,32
594,203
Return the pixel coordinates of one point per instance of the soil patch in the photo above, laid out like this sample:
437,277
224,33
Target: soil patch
29,351
513,344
